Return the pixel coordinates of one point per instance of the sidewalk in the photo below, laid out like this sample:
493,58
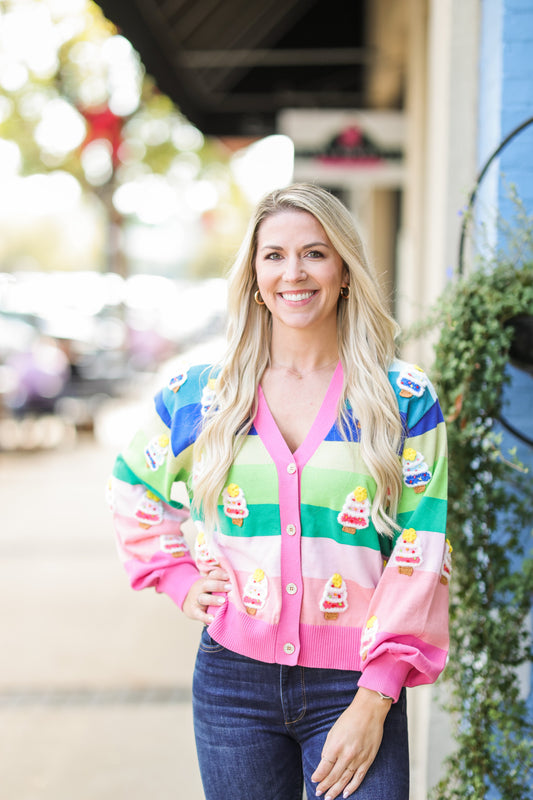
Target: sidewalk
94,678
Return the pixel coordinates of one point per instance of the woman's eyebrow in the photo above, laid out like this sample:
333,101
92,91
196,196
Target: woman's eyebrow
304,247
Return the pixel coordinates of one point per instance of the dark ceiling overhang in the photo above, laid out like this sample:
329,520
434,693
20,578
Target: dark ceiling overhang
232,65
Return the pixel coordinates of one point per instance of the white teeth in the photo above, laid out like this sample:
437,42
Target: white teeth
296,297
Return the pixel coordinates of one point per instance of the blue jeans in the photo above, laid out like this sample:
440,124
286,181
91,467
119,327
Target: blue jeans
260,728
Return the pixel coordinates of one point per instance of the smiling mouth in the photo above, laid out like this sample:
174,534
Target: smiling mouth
295,297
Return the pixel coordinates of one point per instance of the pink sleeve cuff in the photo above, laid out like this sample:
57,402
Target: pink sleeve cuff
176,582
386,674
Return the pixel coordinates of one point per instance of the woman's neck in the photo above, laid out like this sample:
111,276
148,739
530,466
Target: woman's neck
301,354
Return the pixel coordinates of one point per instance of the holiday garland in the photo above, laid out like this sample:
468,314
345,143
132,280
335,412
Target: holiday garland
489,510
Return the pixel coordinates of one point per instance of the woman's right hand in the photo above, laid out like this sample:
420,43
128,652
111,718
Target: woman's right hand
201,595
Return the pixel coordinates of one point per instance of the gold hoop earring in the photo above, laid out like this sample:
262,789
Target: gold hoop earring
345,292
258,299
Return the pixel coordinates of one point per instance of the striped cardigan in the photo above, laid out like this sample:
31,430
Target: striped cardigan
313,583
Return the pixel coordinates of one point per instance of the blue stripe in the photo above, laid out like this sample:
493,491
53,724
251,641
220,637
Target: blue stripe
428,422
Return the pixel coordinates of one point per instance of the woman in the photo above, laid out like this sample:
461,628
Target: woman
316,469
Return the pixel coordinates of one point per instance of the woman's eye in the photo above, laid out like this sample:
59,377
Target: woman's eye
272,256
315,254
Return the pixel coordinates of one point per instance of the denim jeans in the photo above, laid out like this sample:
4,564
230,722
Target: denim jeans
260,728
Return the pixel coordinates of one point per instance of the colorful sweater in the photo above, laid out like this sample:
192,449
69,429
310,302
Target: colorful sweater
313,583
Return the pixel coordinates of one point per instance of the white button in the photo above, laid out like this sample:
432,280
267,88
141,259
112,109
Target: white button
291,588
291,468
289,648
291,529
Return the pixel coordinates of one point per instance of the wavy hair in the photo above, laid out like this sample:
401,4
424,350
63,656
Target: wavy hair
366,342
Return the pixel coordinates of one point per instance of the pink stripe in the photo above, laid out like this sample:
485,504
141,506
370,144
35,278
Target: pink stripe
392,664
358,599
416,603
172,576
141,543
360,564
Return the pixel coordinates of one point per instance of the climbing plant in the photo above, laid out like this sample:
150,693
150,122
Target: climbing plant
489,526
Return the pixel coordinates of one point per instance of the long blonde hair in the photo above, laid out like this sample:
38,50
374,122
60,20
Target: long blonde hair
365,333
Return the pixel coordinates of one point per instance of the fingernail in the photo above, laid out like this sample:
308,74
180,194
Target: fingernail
221,599
227,587
210,618
319,793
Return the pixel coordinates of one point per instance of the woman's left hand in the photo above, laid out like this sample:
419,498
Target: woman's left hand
351,745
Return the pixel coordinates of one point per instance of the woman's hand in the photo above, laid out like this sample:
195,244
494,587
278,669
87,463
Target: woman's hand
201,595
351,745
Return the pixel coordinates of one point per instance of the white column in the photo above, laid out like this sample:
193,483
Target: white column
442,104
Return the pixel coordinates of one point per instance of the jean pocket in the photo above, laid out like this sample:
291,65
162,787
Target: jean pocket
208,644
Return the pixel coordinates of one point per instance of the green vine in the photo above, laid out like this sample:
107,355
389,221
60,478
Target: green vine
489,517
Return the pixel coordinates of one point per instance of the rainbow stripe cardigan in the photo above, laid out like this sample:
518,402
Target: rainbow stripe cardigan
313,583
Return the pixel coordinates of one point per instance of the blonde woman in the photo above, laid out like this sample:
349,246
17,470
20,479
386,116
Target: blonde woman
315,463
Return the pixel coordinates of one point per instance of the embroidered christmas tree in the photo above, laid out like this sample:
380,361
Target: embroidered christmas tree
446,572
208,395
235,504
156,451
255,592
335,597
149,510
407,554
205,560
173,544
416,473
369,635
177,381
412,381
355,511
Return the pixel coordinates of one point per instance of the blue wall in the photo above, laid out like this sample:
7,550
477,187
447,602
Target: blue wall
505,101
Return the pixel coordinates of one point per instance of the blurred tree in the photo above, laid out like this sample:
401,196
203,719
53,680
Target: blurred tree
75,99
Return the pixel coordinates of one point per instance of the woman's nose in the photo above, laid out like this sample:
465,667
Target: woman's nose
294,269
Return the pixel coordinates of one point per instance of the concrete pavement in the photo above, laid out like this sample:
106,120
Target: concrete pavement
94,678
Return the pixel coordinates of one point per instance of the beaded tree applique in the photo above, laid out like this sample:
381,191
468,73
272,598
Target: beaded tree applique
177,381
416,472
149,510
335,597
205,558
446,571
208,395
355,511
255,592
407,554
235,504
173,544
156,451
412,381
369,635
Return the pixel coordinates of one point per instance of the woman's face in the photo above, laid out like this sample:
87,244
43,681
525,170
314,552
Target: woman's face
299,273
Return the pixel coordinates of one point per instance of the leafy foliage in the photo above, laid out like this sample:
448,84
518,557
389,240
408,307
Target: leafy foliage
489,519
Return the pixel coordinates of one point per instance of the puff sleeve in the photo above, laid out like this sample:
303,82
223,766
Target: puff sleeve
405,639
147,520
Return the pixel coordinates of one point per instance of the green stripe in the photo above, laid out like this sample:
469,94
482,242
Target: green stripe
259,482
345,455
123,472
322,523
430,515
432,441
331,488
262,520
253,451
